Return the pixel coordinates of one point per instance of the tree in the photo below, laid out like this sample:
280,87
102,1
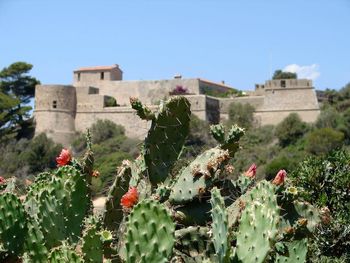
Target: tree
290,130
16,90
324,140
279,74
241,114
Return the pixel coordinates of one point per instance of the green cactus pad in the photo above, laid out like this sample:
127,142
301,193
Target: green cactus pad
64,254
194,241
150,233
92,245
142,111
297,251
218,132
258,224
219,226
13,224
197,178
35,244
166,138
113,213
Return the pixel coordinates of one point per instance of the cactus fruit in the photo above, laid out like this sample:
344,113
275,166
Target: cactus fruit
219,226
258,226
150,233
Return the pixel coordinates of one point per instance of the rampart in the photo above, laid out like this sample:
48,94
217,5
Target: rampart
62,110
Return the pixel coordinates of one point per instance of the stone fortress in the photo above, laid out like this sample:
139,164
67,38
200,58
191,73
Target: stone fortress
62,110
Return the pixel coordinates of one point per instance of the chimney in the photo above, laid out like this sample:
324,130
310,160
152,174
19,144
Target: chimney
177,76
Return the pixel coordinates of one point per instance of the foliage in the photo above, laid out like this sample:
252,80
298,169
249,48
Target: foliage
324,140
16,90
326,181
27,157
290,130
220,94
279,74
111,102
111,147
179,90
241,114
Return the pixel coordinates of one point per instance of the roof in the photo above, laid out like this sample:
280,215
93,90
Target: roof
215,83
98,68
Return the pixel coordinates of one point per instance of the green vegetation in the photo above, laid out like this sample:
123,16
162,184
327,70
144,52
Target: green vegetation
219,94
241,114
279,74
111,147
16,91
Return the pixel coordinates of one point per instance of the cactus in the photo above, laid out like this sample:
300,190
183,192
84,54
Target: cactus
297,250
150,233
113,214
64,254
217,219
92,245
219,226
166,137
258,226
13,224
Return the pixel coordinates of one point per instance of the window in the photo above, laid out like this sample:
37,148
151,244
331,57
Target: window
54,104
102,76
283,83
78,76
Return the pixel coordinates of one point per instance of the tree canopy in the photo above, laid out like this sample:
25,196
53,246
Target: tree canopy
279,74
16,90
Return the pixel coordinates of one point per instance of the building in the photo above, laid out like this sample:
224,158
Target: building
62,110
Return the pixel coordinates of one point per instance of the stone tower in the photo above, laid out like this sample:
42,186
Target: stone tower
55,109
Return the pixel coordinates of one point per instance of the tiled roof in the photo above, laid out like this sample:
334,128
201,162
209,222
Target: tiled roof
97,68
214,83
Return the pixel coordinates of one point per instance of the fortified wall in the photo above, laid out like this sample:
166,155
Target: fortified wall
62,110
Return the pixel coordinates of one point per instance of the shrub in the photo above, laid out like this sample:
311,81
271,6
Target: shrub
323,140
290,130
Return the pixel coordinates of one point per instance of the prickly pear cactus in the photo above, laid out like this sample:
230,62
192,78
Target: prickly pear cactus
220,233
258,226
13,224
64,254
297,251
92,245
150,233
166,137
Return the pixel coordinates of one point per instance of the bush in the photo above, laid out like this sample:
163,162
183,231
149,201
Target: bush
323,140
241,114
105,129
290,130
326,182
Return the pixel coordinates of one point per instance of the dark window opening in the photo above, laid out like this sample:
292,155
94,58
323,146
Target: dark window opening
78,76
283,83
54,104
102,76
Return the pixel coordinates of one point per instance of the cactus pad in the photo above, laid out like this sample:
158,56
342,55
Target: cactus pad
150,233
258,224
219,226
297,250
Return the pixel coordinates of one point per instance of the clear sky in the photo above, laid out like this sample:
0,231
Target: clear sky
240,42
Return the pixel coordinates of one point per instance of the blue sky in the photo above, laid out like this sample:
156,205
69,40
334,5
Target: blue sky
240,42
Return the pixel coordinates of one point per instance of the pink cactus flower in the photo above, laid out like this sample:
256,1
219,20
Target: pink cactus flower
2,180
64,158
251,172
279,179
130,198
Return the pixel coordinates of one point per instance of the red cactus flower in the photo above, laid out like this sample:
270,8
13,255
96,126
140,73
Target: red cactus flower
130,198
251,172
279,179
64,158
2,180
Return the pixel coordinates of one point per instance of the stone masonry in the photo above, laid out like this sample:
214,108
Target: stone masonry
62,110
